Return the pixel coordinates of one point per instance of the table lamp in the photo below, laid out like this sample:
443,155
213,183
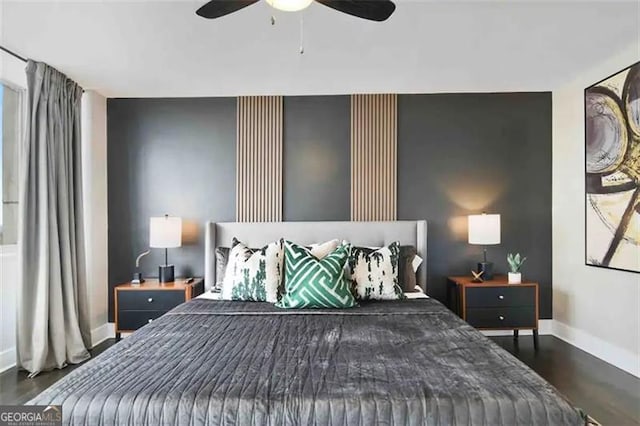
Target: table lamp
484,230
165,232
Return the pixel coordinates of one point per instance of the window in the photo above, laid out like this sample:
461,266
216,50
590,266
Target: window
10,131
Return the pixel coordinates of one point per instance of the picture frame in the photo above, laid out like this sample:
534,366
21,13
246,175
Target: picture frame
612,171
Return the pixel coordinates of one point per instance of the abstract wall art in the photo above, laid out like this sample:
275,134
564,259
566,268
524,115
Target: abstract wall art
612,171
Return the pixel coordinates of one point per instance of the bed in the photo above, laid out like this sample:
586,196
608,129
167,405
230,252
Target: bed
393,362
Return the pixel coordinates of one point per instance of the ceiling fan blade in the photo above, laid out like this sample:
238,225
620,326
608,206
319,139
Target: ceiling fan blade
374,10
218,8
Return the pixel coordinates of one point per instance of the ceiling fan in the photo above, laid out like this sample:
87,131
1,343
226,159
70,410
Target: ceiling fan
373,10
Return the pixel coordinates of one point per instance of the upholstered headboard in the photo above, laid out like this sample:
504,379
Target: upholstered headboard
366,234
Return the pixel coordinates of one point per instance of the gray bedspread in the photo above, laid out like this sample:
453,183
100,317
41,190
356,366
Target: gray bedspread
241,363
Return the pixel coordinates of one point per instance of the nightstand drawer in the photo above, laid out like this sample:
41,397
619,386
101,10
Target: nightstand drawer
502,317
133,320
490,297
149,300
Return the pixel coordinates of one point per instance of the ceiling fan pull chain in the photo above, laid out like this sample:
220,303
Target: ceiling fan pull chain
301,34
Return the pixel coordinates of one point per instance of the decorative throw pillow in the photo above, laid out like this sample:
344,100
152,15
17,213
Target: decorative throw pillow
321,250
408,264
315,283
374,275
406,273
222,258
253,275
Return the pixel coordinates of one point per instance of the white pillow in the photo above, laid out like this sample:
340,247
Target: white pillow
417,261
374,276
321,250
416,295
253,275
211,295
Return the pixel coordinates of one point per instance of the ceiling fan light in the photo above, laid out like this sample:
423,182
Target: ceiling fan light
289,5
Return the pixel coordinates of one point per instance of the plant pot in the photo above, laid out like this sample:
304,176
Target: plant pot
515,277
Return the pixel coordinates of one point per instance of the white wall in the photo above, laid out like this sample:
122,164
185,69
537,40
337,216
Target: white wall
596,309
8,283
94,173
11,73
11,69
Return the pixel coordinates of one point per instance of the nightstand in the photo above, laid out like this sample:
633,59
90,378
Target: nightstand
498,305
137,305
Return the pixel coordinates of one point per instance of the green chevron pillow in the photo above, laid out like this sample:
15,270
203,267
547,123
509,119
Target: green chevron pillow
313,283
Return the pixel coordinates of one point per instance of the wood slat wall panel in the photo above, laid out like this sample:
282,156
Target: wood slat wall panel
259,159
374,157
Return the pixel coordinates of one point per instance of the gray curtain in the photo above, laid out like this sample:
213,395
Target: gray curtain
53,327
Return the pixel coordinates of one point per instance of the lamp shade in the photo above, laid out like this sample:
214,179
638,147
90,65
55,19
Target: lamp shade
165,232
484,229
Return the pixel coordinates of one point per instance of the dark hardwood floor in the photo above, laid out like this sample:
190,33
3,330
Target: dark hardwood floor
606,393
609,395
17,388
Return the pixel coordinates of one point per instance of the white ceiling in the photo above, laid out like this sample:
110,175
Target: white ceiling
161,48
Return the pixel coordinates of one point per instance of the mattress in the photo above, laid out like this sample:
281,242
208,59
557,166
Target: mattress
214,362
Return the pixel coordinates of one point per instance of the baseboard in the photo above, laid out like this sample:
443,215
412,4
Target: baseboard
7,359
102,333
545,326
614,355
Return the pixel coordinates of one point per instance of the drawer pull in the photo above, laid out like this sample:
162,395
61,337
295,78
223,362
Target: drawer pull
501,297
150,300
501,318
150,320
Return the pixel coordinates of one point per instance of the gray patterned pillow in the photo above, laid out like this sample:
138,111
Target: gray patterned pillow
253,275
374,274
406,273
222,258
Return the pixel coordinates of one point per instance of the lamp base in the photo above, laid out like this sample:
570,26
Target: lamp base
165,274
487,269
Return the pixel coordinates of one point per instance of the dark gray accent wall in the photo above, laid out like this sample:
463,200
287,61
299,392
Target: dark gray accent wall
460,154
457,154
173,156
317,155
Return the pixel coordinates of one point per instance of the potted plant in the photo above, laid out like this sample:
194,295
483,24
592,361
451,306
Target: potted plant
515,264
